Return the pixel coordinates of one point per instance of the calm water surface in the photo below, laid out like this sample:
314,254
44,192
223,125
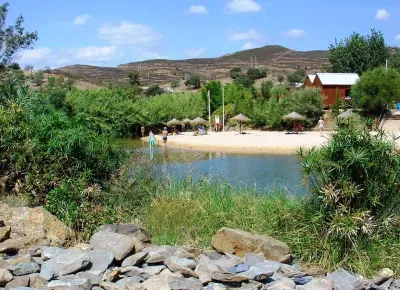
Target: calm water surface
262,172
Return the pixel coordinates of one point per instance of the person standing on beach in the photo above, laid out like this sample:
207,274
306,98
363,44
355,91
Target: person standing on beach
142,130
321,125
165,136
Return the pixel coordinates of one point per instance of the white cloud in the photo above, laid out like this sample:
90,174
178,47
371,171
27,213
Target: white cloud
238,6
194,53
129,33
250,45
295,33
382,14
397,37
244,35
197,9
35,57
82,19
95,53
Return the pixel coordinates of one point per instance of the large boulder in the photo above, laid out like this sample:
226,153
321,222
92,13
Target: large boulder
64,264
5,277
238,242
131,230
100,260
76,284
120,245
34,224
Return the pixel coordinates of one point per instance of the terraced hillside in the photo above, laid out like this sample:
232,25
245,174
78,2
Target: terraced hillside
277,59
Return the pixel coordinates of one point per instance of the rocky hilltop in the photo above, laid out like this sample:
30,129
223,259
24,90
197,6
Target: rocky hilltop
33,245
277,59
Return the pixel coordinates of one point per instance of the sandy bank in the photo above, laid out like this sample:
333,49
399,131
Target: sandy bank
253,142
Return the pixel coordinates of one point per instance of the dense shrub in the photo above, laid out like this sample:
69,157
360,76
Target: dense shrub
193,81
235,72
244,80
355,184
256,73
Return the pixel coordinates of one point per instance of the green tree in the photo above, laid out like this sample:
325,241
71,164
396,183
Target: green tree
358,53
281,78
154,90
14,66
38,78
279,91
376,89
244,80
297,77
266,89
193,81
175,83
235,72
134,78
215,89
241,98
13,37
394,61
256,73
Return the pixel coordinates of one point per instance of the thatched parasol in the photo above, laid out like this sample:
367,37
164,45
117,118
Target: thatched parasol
241,119
293,116
346,115
174,122
198,121
186,121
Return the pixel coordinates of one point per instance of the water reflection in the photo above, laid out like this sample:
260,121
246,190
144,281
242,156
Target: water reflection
262,172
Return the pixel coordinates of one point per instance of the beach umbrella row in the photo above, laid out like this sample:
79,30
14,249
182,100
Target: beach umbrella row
197,121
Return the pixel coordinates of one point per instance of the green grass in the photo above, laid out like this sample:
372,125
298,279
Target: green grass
190,214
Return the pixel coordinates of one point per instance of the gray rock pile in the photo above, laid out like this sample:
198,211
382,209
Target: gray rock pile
122,257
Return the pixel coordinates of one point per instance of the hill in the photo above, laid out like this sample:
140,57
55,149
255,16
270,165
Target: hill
276,59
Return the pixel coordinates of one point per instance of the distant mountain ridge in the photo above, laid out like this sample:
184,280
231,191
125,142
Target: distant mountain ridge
276,59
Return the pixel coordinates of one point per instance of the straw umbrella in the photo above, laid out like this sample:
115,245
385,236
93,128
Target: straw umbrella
186,121
293,116
241,119
173,122
198,121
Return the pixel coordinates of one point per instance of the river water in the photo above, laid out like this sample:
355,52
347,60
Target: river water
264,172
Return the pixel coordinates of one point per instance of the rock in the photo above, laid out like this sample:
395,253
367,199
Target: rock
35,281
112,286
239,269
37,260
183,253
185,284
288,259
282,285
252,259
240,242
251,285
212,254
175,263
383,275
158,254
24,288
51,252
35,251
20,281
20,259
153,270
4,233
186,272
4,264
205,268
131,283
215,286
100,261
261,271
134,259
131,230
5,277
343,280
75,284
302,280
81,247
228,278
64,264
13,245
120,245
112,275
320,284
93,279
21,269
160,282
227,261
35,224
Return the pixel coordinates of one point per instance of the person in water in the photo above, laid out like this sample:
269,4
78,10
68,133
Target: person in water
165,136
152,140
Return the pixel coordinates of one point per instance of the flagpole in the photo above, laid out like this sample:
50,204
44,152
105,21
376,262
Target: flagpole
223,111
209,109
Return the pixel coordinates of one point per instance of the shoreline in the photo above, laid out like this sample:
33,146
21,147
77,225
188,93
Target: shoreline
254,142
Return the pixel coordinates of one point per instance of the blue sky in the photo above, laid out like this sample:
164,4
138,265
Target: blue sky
108,33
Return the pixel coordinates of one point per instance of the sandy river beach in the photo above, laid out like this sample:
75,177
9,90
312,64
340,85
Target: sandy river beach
252,142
